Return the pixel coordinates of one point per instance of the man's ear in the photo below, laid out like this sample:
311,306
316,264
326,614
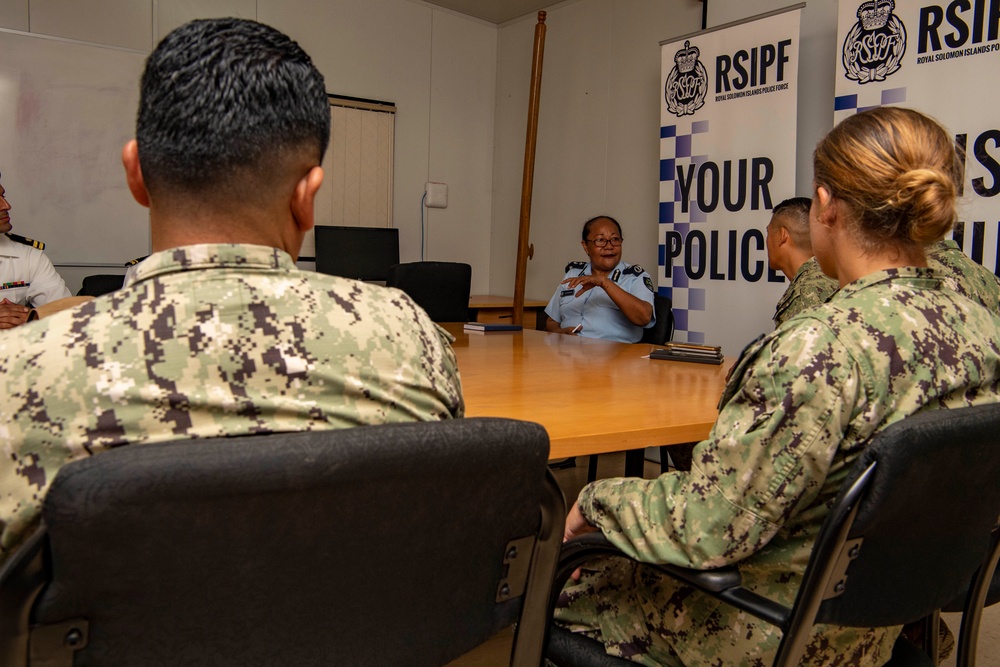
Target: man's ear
783,236
133,173
304,199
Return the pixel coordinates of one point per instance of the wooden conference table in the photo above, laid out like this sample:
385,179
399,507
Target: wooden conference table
591,396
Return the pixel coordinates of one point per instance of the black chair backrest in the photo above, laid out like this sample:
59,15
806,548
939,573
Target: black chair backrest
663,330
925,519
372,545
440,288
102,283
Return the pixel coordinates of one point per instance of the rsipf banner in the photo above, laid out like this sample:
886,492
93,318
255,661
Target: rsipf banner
940,58
727,156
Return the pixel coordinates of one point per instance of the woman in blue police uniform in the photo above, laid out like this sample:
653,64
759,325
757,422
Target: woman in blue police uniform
605,297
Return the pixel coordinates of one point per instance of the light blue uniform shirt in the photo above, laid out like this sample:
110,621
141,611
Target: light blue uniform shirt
595,310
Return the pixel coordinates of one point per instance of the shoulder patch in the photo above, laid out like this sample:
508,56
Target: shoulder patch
17,238
648,282
634,270
133,262
575,265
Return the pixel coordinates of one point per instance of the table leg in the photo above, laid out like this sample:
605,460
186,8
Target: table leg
635,462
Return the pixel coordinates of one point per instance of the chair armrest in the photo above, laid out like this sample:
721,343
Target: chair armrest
724,583
711,581
593,545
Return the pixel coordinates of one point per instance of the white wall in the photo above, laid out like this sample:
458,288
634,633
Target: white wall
598,130
437,66
598,125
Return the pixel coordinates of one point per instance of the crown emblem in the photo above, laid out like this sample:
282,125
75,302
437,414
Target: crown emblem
874,14
686,58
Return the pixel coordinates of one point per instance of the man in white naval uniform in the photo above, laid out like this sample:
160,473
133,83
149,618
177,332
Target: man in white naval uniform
27,277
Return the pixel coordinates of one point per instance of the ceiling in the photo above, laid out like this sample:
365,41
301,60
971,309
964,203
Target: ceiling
495,11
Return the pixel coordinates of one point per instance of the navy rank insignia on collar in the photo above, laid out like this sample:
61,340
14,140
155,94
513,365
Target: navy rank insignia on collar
17,238
615,275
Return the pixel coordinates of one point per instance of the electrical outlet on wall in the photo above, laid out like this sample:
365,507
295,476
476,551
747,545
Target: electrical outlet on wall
437,195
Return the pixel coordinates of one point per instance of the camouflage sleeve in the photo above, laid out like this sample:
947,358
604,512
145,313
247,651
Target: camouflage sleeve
765,460
449,371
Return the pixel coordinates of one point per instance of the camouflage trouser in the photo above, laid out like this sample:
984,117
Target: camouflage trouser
603,605
651,619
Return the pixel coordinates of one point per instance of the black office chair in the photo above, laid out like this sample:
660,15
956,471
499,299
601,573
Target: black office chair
403,544
663,330
100,284
440,288
906,534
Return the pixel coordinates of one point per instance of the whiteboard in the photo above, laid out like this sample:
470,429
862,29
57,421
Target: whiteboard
66,110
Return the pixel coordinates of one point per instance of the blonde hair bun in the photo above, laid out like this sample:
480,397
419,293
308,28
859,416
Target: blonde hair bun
896,170
927,198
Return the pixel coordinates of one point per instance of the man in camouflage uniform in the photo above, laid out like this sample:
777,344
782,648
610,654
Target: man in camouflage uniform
963,275
789,250
802,404
219,334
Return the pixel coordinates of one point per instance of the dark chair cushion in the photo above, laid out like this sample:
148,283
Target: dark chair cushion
297,548
440,288
100,284
663,330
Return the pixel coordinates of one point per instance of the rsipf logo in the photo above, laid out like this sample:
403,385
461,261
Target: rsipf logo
687,83
875,44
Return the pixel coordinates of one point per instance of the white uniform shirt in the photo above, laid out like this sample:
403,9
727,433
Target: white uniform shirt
27,275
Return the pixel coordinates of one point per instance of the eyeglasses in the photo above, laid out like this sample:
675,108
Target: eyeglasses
600,243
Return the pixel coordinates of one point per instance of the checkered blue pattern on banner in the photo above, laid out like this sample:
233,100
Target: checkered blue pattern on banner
672,279
873,98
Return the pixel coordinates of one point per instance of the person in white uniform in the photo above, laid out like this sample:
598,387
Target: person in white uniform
605,297
27,277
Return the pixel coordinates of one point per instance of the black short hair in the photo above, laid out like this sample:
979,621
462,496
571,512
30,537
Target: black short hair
590,223
793,215
798,206
224,98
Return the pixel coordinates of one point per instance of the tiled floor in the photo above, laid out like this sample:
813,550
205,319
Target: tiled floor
988,654
496,652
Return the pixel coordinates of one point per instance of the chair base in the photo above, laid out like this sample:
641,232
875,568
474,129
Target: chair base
567,649
906,654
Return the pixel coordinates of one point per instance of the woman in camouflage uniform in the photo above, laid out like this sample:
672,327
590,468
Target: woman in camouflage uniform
800,406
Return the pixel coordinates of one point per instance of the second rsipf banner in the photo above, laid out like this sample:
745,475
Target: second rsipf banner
940,58
727,156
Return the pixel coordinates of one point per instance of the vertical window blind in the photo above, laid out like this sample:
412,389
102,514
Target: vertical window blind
357,185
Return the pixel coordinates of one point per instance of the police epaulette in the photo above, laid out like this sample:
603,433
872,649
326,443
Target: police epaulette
17,238
133,262
634,270
575,265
